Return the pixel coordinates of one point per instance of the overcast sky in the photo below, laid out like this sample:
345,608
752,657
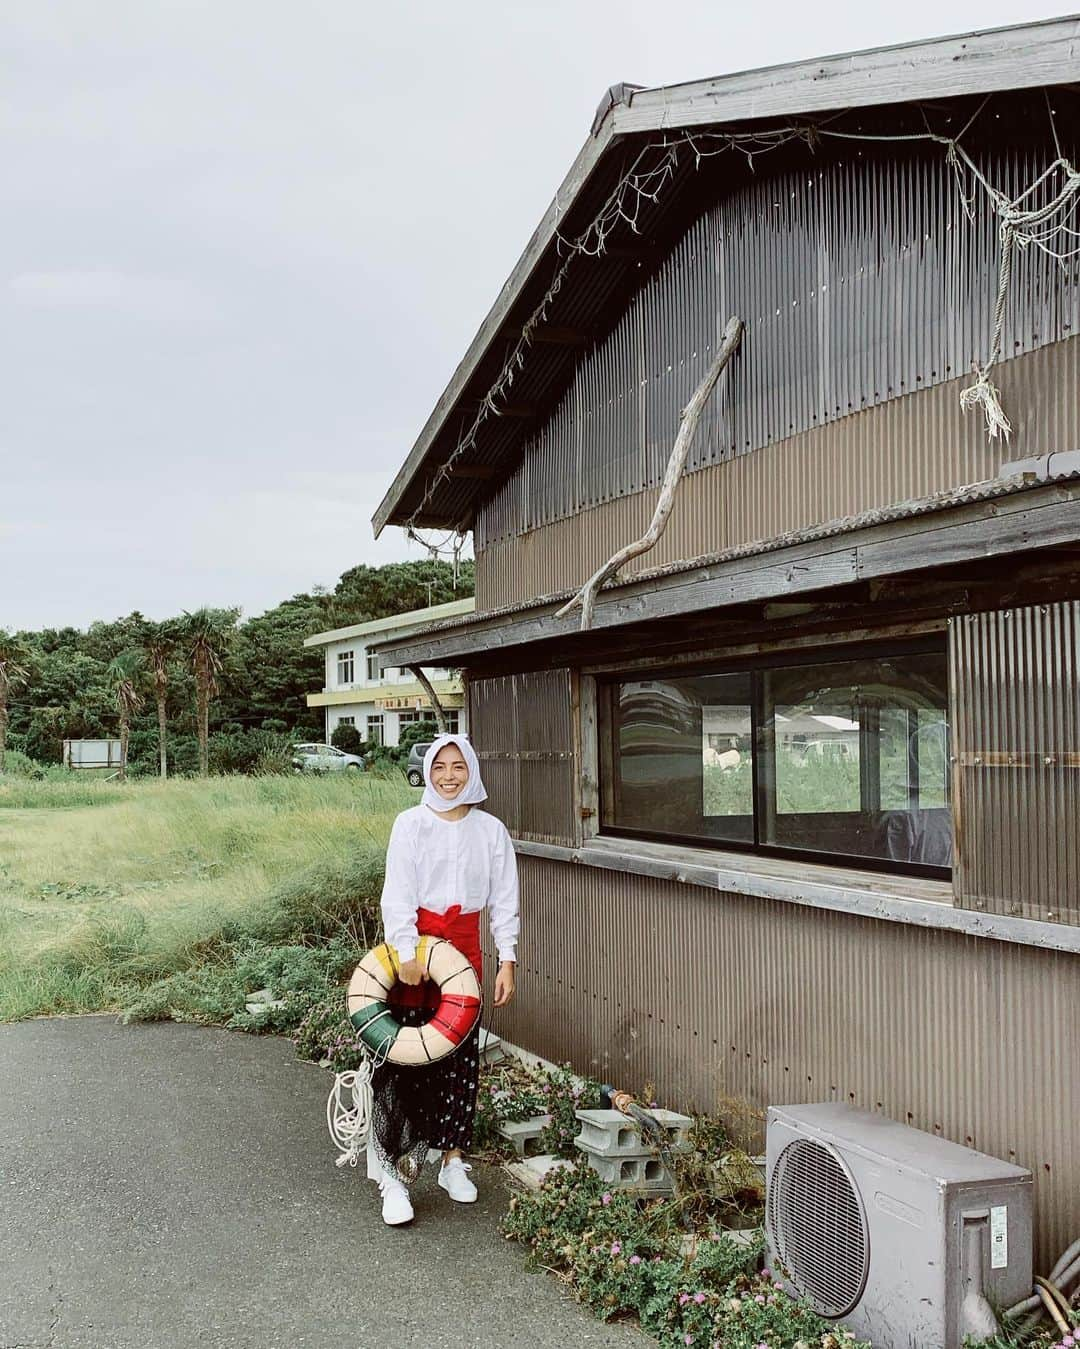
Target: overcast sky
247,241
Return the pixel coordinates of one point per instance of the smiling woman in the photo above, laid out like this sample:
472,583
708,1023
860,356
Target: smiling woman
446,861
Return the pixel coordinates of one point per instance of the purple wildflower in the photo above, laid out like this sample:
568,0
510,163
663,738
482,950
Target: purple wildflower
760,1300
684,1298
699,1298
605,1198
635,1259
616,1247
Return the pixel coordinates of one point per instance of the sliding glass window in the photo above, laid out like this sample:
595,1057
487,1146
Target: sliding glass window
839,760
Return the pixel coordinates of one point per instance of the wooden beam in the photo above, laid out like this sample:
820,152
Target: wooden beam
1042,517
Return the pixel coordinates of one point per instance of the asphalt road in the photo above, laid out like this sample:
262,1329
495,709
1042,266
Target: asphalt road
168,1186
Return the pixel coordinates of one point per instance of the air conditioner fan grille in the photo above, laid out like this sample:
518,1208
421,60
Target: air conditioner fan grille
818,1226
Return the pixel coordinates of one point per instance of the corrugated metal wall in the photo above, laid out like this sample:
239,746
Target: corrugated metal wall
714,996
906,448
1015,689
860,280
522,728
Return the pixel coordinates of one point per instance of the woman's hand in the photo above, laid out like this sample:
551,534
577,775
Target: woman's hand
412,972
504,984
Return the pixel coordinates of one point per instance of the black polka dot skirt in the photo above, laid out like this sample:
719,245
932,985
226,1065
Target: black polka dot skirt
417,1109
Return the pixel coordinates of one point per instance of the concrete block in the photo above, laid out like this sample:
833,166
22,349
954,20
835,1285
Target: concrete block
739,1236
491,1047
525,1134
644,1172
616,1135
531,1172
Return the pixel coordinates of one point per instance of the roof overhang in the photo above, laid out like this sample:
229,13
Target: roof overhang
1022,57
1000,518
413,620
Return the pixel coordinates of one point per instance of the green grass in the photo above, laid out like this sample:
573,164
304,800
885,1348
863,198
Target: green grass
108,889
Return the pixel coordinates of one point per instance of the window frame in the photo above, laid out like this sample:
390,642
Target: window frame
346,659
755,666
369,657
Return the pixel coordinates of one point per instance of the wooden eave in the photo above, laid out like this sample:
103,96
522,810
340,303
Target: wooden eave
1015,519
1015,58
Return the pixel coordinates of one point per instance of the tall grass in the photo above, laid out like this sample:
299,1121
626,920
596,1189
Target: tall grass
101,898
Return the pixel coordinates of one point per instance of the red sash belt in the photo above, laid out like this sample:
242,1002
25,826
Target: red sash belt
463,931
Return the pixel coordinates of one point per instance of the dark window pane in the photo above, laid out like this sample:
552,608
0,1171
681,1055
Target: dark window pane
853,759
682,757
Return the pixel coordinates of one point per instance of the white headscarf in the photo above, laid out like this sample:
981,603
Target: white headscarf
471,794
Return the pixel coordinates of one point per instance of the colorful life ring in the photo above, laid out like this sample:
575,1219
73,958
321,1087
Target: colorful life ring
415,1046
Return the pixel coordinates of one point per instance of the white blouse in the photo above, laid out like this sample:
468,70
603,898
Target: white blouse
434,863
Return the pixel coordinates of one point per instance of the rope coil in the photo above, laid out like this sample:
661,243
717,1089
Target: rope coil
348,1110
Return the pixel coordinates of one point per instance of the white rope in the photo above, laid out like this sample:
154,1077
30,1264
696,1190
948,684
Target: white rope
1020,228
348,1112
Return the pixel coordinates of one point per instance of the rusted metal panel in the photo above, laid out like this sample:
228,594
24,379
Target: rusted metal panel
903,449
715,996
1015,682
522,730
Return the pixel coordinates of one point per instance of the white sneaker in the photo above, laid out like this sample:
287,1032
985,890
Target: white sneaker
456,1183
396,1205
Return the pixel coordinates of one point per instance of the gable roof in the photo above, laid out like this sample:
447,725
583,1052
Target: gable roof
1022,57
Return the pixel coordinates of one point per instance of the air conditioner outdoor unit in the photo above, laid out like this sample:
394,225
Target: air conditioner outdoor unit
908,1239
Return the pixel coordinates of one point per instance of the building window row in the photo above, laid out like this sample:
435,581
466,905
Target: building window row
839,760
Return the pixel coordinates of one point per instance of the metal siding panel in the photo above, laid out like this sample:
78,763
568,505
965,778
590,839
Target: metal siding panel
1015,679
714,997
820,261
900,450
521,728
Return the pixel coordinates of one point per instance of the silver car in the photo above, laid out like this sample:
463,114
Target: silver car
414,767
316,758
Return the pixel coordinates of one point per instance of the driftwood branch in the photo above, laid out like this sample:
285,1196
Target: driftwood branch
586,596
429,689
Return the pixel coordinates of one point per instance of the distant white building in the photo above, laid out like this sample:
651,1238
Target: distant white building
355,694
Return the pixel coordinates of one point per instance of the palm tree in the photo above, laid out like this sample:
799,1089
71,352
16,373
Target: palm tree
159,647
210,635
14,670
123,673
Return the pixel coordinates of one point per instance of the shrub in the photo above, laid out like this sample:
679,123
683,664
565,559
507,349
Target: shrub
217,991
249,751
413,733
347,738
563,1093
508,1092
625,1255
325,1032
20,765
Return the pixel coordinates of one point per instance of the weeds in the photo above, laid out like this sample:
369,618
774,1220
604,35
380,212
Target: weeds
168,877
